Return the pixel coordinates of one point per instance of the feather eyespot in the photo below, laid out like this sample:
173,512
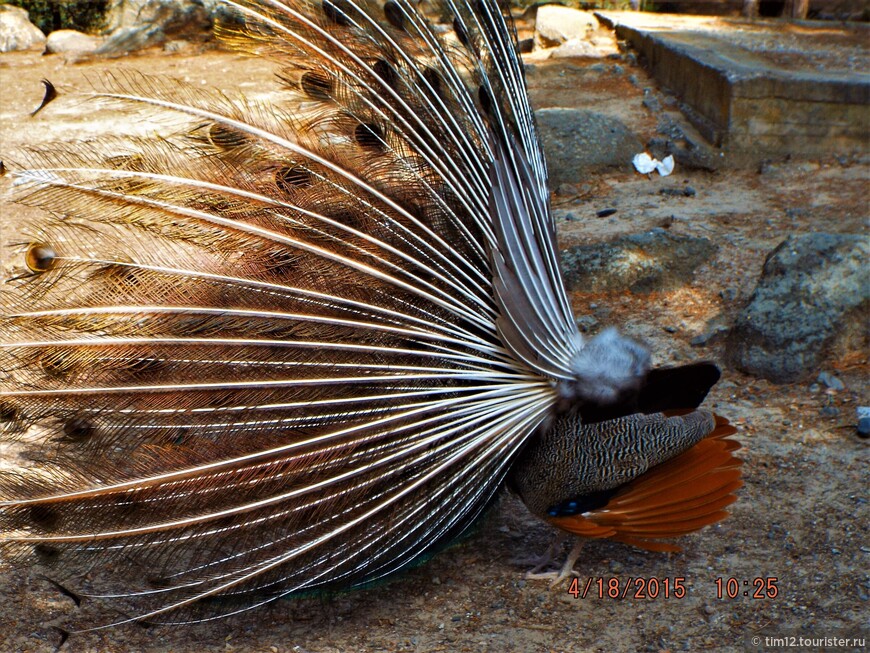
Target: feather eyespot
336,11
461,34
316,85
7,413
433,78
485,98
131,162
224,137
57,364
386,73
46,553
394,15
369,135
40,257
289,178
44,517
78,429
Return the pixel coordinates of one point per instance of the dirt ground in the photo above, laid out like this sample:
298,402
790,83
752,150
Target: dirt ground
800,525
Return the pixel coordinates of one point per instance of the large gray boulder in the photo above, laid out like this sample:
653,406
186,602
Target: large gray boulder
137,24
813,297
555,24
579,141
69,41
656,260
17,32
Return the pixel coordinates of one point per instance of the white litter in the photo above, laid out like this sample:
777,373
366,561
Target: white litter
645,164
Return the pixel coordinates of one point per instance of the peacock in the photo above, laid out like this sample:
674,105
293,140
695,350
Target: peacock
300,344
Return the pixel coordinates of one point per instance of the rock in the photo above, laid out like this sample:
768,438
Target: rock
137,24
687,191
831,381
586,323
17,32
555,25
577,141
67,41
641,263
711,335
813,297
863,413
575,48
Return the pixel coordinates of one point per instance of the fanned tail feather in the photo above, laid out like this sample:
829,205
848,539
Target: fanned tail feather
258,355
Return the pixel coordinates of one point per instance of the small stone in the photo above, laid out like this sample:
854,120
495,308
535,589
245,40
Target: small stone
586,323
709,336
651,102
815,387
830,411
831,381
864,427
605,213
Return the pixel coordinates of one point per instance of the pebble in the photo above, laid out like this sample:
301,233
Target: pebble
864,421
586,323
830,411
688,191
604,213
709,336
831,381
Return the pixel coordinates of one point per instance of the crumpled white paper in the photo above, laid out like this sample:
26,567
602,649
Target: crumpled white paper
645,164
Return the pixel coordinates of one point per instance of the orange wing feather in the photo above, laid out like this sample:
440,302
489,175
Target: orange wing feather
677,497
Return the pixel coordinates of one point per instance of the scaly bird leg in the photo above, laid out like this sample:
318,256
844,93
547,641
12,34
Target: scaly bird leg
549,558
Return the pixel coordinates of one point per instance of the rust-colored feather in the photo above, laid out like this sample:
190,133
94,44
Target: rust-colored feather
677,497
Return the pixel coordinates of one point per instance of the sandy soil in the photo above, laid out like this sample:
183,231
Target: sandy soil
801,523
